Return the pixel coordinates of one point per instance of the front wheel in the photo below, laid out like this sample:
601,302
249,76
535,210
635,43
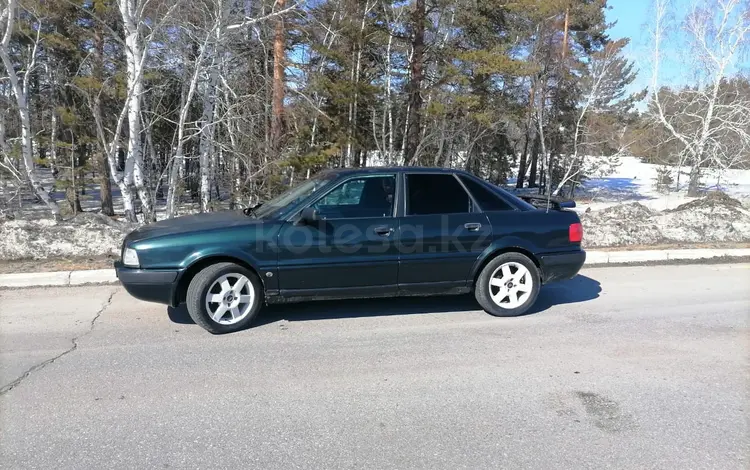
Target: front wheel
224,298
508,285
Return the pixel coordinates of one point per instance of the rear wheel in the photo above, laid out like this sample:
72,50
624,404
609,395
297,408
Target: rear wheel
224,297
508,285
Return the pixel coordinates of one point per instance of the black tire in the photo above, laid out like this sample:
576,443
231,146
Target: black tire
484,292
199,288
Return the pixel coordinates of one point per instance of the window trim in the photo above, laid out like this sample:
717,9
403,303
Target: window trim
345,180
475,208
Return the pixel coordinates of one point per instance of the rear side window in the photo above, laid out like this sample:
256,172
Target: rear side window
435,194
486,199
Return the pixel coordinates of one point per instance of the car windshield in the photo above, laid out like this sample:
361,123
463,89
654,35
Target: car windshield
275,207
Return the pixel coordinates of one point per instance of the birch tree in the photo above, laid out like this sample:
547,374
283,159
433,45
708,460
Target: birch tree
20,87
702,117
214,46
603,92
205,79
132,12
178,159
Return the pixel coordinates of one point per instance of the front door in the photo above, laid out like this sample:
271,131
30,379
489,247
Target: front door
351,250
441,234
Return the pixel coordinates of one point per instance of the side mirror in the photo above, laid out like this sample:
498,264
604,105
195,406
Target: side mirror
309,215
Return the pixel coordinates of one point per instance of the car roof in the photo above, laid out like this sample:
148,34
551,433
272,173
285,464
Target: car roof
395,169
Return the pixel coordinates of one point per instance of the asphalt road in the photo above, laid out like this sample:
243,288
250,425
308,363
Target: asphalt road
641,367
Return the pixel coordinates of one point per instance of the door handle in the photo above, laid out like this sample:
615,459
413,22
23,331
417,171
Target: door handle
384,231
472,226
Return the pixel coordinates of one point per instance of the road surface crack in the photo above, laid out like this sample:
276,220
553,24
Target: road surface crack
73,347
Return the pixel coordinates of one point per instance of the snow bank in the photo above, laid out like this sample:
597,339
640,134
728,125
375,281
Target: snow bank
626,224
715,218
43,238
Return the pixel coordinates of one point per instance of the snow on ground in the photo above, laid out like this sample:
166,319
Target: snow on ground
86,235
714,219
635,181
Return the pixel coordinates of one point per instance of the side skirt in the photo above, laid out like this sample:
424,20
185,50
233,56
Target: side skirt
408,290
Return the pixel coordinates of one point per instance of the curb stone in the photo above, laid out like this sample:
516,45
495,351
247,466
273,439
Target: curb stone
593,258
598,258
702,254
93,276
636,256
58,278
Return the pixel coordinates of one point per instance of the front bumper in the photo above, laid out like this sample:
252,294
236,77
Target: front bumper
148,284
560,266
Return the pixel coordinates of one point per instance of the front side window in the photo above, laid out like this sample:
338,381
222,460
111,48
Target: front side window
359,198
284,201
435,194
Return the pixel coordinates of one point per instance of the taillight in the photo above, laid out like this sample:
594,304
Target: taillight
575,233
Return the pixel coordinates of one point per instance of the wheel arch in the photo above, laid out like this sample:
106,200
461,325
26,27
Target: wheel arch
494,251
180,291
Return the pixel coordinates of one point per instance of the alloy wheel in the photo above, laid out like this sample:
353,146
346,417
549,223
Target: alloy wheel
511,285
230,299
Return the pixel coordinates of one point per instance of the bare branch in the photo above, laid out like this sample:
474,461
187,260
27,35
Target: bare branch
252,21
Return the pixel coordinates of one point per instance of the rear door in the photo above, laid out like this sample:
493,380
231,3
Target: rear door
441,233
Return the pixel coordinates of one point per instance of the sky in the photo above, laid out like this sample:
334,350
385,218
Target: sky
634,19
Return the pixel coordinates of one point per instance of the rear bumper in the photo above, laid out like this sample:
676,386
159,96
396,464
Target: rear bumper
148,284
560,266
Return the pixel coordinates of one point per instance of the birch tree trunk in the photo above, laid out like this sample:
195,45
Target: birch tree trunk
53,144
20,91
527,136
388,101
131,11
206,146
6,162
178,161
111,149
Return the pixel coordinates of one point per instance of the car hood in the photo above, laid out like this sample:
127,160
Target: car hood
191,223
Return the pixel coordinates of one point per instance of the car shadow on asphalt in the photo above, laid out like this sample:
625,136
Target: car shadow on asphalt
572,291
576,290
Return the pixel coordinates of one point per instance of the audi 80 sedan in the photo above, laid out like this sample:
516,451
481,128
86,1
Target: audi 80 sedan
356,233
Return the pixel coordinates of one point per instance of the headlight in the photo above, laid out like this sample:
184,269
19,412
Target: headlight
130,257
